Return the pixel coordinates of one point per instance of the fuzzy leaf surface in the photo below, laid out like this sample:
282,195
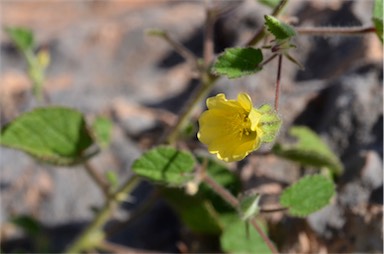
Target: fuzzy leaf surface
234,238
55,135
238,62
279,29
165,165
308,195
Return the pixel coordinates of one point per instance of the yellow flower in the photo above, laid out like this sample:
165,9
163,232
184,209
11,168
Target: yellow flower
233,128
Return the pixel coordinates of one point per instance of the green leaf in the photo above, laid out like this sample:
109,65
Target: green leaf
200,212
270,3
165,165
279,29
112,178
309,150
234,238
56,135
22,37
270,123
27,223
238,62
308,195
102,128
196,212
249,205
377,18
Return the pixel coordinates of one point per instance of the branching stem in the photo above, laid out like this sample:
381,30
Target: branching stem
97,178
234,202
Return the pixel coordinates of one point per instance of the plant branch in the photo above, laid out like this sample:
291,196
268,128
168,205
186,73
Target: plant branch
178,47
280,209
208,34
264,236
87,239
277,91
329,31
234,202
198,95
97,178
262,31
268,60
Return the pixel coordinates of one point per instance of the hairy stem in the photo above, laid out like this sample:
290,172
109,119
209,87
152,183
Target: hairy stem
277,91
181,50
97,178
208,34
331,31
87,238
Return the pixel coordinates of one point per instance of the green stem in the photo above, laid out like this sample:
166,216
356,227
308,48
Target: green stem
278,78
90,237
97,178
202,91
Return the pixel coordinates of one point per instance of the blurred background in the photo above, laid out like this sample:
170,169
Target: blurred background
103,63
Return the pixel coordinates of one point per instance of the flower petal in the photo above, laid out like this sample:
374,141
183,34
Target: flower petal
245,101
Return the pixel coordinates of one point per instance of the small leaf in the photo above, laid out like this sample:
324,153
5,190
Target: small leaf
56,135
102,128
279,29
30,225
112,178
165,165
309,150
234,238
270,3
238,62
22,37
249,205
308,195
377,18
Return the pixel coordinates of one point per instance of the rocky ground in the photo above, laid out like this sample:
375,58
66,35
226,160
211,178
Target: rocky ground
103,63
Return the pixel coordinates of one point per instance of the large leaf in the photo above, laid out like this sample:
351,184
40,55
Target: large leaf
22,37
200,212
309,150
238,62
234,238
308,195
56,135
377,18
165,165
279,29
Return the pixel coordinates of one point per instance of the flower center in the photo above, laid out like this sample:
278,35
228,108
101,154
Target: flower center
240,125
